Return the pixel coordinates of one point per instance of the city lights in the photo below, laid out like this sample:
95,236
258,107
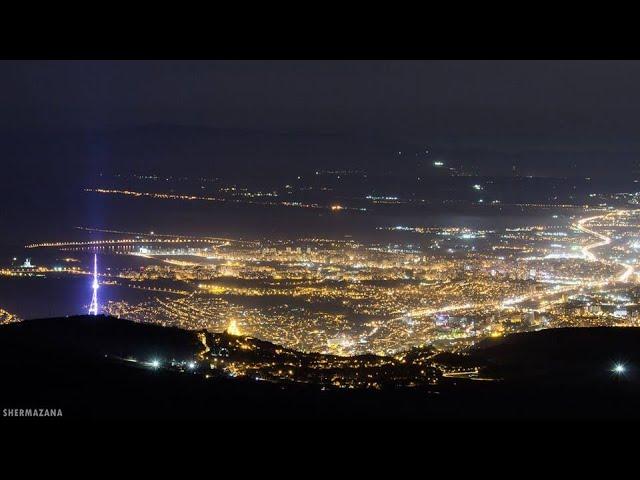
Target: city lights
494,280
337,239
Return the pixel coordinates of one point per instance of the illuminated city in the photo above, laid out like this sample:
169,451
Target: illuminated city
348,298
410,256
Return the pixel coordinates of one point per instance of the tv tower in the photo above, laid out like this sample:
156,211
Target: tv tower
93,308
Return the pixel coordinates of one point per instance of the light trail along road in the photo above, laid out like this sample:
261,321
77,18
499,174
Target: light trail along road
603,241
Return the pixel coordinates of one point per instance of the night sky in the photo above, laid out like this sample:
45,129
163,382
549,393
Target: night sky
74,119
529,103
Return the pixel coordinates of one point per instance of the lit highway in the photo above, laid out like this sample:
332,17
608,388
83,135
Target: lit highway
603,241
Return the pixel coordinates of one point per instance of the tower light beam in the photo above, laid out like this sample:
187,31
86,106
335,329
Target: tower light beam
94,308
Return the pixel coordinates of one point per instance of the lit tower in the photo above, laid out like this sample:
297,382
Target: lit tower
93,308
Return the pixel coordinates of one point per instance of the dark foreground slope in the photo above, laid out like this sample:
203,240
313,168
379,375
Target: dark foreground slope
79,366
566,356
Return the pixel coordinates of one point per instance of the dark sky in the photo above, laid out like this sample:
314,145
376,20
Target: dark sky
568,110
550,101
62,124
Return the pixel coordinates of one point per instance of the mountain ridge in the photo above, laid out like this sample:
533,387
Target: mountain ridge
101,367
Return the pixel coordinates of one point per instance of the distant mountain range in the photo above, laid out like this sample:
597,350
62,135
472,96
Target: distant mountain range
197,150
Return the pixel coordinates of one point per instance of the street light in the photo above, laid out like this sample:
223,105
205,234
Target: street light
619,369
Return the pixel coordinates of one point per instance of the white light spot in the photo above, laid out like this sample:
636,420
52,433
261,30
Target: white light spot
619,368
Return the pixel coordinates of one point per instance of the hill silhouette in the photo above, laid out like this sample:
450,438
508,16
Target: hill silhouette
85,367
